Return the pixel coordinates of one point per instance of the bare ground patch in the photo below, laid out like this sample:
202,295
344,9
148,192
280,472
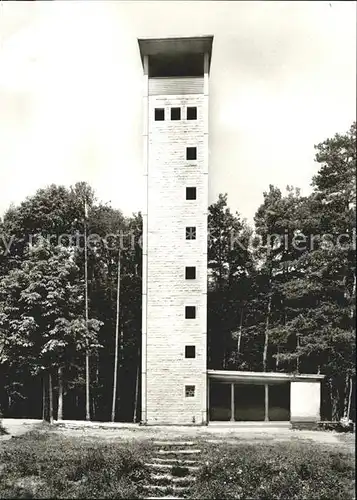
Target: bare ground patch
212,434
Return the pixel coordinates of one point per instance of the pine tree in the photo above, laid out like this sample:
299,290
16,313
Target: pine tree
321,293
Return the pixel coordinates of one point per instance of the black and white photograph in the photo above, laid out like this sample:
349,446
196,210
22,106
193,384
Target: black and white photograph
178,249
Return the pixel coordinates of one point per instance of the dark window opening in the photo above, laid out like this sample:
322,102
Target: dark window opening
190,351
279,401
192,113
159,114
190,273
191,193
249,402
176,65
190,233
191,153
189,391
175,113
190,312
219,401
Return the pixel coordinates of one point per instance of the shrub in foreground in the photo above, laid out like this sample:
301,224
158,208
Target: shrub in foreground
2,429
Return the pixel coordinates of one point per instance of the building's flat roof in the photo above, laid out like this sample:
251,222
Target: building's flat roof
236,376
176,45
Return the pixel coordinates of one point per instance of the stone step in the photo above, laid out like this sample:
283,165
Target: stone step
174,460
164,498
169,466
160,487
157,487
174,479
174,443
176,452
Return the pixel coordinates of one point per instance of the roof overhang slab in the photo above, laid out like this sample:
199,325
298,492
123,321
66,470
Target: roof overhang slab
261,377
176,45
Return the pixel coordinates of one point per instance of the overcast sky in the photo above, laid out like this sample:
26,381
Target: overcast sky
283,78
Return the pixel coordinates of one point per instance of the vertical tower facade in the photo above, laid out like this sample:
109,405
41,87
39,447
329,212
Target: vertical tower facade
174,307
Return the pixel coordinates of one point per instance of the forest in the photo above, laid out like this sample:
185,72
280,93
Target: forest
281,294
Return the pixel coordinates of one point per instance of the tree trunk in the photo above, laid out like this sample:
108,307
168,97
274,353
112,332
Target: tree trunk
43,397
121,340
87,386
342,397
334,409
86,310
239,341
116,352
60,394
353,298
135,419
277,360
297,357
121,353
266,337
329,409
349,399
347,396
224,362
50,398
94,410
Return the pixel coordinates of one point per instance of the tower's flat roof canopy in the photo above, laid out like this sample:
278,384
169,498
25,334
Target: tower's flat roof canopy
176,46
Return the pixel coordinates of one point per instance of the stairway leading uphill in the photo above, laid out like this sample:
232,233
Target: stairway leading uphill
173,468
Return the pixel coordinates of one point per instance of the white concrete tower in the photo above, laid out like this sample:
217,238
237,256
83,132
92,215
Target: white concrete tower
175,140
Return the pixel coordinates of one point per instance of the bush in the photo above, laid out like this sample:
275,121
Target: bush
341,426
2,430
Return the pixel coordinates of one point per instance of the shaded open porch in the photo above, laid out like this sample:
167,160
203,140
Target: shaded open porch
235,396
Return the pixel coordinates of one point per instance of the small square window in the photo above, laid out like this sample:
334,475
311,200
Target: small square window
190,233
175,113
190,273
191,193
189,391
192,113
159,114
190,312
190,351
191,153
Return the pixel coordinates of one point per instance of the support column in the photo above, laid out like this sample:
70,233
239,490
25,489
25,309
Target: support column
266,399
232,402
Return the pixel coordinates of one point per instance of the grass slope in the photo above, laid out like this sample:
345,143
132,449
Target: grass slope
297,470
47,465
43,465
